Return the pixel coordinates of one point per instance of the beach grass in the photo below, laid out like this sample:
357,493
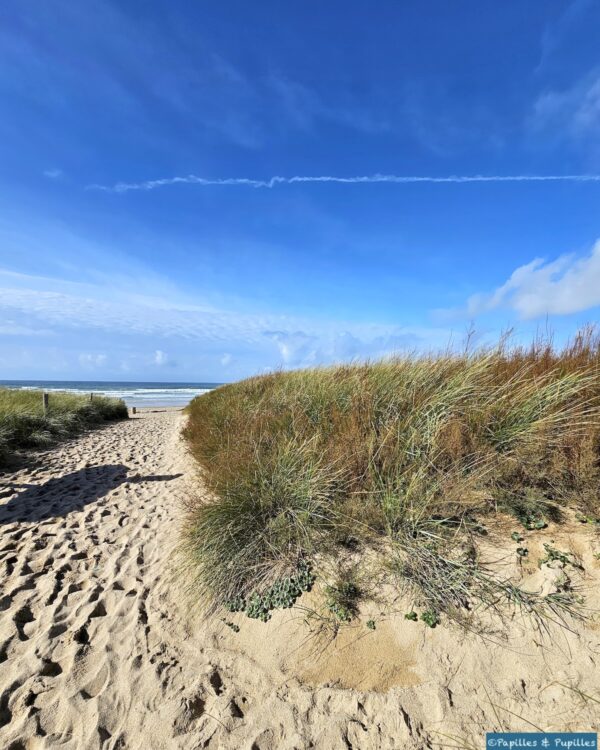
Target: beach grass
399,460
25,424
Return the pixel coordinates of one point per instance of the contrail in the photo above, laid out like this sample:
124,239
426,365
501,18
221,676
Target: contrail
192,179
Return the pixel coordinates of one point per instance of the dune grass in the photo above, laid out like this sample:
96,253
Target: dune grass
400,459
23,423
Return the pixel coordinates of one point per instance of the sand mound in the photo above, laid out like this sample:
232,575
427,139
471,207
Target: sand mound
98,647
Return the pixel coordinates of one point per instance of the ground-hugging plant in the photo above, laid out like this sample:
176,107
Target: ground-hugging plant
553,555
430,617
282,594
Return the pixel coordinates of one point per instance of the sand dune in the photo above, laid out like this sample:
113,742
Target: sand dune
98,647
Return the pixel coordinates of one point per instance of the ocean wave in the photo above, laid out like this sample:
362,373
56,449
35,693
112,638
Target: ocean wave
136,395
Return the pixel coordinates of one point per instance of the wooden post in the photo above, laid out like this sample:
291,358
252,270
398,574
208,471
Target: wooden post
133,409
91,396
45,399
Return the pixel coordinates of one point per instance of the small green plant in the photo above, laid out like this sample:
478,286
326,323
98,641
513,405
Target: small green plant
587,519
371,624
412,616
522,551
430,618
232,625
238,604
342,600
552,555
597,555
516,537
281,595
532,521
479,528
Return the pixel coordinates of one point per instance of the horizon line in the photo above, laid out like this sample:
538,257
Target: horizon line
81,380
192,179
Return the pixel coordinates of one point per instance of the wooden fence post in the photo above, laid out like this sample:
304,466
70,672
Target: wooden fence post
133,409
45,399
91,396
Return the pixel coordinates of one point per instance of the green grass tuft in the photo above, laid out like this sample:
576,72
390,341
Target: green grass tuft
23,423
394,457
342,599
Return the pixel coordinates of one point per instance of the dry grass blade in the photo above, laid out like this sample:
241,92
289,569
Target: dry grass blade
579,692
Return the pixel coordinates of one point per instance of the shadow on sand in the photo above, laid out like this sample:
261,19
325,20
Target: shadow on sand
61,495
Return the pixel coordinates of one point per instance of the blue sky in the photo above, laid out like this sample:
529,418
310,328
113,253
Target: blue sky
142,235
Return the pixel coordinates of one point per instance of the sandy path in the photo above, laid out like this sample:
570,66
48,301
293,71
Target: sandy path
98,649
84,544
97,646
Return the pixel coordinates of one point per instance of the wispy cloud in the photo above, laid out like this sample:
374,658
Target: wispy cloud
160,358
572,112
562,28
9,328
53,174
304,107
274,339
92,361
304,348
569,284
191,179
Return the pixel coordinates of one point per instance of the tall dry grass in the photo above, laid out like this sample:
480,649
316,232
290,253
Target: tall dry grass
23,423
399,456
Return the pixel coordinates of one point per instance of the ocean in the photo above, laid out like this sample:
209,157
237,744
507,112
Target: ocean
133,393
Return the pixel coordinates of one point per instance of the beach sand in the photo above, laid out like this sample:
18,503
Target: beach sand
99,647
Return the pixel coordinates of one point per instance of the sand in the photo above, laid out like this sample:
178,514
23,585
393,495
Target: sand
99,647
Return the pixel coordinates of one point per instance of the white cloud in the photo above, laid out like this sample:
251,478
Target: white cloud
295,347
10,328
160,358
271,182
301,348
53,174
98,309
561,29
96,306
572,112
304,107
569,284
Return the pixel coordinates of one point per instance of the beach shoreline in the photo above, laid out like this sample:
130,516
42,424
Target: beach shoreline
133,393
